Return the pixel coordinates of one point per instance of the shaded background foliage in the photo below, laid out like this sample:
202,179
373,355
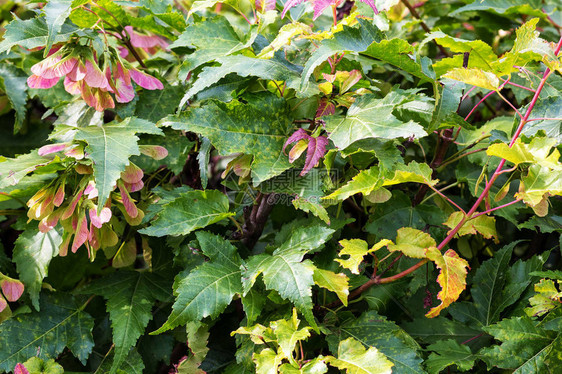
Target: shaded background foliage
205,187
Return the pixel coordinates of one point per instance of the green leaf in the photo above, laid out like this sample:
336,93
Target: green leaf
288,334
285,272
524,345
373,330
203,160
35,365
253,303
449,352
536,152
190,211
397,52
314,366
130,296
212,38
356,249
506,7
258,128
56,12
207,290
412,242
348,40
355,359
110,147
539,183
153,105
245,66
133,364
33,252
309,206
61,323
549,107
483,225
267,361
32,33
12,170
197,338
435,329
370,117
547,297
331,281
13,82
373,179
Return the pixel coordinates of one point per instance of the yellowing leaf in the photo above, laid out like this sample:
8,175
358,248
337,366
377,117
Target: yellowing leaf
284,37
474,77
331,281
547,298
357,249
538,152
355,359
452,278
538,184
267,361
484,225
412,242
288,334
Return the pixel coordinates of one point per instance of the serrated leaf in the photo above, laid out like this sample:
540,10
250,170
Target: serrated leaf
356,249
373,179
207,290
110,147
314,366
288,334
309,206
153,105
258,128
12,170
35,365
244,66
13,83
331,281
348,40
398,52
369,117
539,183
547,297
483,225
31,33
33,252
253,303
267,361
190,211
212,38
506,7
524,345
130,296
548,107
536,152
452,277
449,352
355,359
284,270
56,12
412,242
61,323
374,330
284,37
133,364
197,339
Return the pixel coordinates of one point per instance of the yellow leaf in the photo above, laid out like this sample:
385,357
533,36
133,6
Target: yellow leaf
452,277
475,77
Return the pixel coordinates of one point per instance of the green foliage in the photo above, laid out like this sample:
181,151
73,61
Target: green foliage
260,187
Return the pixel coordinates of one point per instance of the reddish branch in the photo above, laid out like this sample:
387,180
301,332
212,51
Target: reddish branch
472,212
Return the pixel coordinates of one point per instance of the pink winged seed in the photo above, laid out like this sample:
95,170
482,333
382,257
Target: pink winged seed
295,137
12,289
316,150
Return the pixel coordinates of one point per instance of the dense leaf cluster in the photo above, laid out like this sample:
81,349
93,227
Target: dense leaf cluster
290,187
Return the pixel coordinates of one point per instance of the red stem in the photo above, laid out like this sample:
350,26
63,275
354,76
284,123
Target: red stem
496,208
